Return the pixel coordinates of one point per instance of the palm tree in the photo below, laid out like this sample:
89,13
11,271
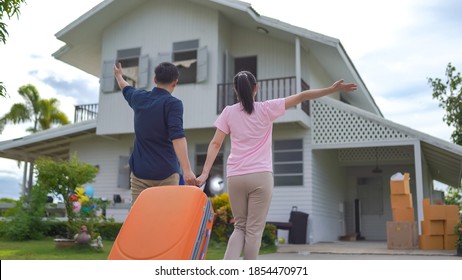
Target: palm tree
41,112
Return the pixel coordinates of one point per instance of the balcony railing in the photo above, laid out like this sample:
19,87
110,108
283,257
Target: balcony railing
268,89
85,112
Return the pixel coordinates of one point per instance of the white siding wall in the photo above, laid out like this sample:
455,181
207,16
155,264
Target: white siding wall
328,192
274,58
105,152
314,74
286,197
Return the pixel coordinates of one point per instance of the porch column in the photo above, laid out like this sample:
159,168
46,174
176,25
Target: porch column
418,182
298,68
24,179
31,178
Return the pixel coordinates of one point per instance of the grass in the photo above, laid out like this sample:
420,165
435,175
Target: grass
45,250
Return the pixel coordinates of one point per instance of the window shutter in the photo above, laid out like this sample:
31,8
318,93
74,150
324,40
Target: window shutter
108,80
123,179
143,71
202,65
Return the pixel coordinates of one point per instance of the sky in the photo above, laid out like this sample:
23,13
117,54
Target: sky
395,46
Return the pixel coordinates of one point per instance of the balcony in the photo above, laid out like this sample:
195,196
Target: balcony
85,112
268,89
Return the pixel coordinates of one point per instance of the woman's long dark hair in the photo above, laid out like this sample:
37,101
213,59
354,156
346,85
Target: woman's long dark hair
244,84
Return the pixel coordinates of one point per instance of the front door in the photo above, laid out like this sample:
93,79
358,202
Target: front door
372,219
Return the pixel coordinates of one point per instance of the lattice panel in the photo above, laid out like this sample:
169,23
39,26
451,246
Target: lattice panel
372,154
331,125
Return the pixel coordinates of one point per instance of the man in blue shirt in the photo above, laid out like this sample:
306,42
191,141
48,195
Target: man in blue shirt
160,142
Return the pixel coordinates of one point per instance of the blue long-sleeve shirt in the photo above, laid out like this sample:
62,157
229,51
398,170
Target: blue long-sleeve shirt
158,120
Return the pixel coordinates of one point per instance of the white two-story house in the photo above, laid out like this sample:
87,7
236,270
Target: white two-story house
333,157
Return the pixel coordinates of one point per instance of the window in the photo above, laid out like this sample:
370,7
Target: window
129,60
288,162
123,178
135,70
191,60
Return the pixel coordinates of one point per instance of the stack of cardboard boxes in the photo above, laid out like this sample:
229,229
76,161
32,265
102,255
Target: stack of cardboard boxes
438,226
402,232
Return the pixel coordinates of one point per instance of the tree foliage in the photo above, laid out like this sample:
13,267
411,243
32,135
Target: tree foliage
8,8
62,177
453,197
43,113
449,96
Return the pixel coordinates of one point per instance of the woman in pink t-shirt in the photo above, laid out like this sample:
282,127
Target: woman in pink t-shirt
249,165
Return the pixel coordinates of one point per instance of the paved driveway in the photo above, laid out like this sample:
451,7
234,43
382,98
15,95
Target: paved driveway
355,250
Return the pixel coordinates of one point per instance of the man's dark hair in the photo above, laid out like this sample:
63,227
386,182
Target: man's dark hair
166,73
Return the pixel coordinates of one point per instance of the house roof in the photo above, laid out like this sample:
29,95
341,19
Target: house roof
83,41
54,142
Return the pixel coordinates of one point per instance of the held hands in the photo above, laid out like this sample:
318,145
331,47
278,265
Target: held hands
339,86
190,179
201,179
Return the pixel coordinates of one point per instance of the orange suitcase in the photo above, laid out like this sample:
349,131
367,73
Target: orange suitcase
166,223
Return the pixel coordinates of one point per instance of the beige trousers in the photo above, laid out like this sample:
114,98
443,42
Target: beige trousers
138,185
250,198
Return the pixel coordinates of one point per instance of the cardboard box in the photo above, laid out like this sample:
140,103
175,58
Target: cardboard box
432,227
400,187
403,215
431,242
450,241
434,212
401,200
452,212
449,226
426,202
402,235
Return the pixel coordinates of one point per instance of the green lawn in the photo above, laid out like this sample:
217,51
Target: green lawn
46,250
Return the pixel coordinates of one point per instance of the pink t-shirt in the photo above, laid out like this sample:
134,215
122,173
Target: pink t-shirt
250,135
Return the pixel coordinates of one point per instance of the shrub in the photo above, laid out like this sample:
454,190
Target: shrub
269,235
458,231
26,222
223,224
223,219
108,230
63,178
58,229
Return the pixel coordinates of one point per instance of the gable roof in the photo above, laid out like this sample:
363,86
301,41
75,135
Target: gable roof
83,41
